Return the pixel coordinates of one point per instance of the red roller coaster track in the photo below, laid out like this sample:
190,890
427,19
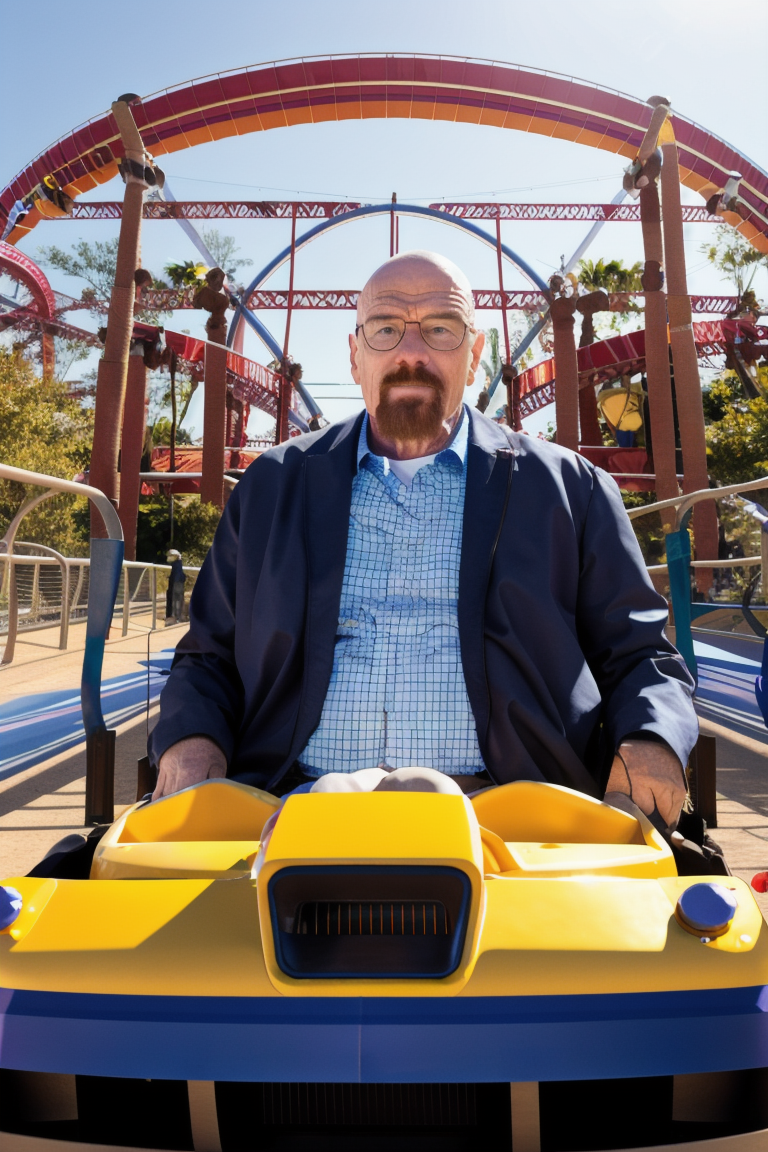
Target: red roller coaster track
319,210
331,88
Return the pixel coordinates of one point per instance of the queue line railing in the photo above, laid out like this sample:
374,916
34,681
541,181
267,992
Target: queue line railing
679,562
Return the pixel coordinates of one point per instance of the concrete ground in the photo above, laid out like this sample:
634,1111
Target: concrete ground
41,804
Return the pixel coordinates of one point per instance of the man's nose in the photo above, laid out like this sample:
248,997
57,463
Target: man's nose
413,349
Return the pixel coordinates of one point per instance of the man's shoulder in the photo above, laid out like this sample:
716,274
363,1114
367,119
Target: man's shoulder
530,452
341,437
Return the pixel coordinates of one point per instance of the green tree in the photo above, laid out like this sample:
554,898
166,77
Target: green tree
193,527
492,365
43,430
737,432
613,277
161,433
186,275
224,250
735,259
96,264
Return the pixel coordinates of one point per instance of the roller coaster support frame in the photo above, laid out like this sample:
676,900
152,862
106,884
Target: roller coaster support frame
132,446
214,424
660,407
113,366
684,358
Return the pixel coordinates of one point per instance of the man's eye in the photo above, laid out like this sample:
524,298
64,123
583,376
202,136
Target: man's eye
384,330
435,329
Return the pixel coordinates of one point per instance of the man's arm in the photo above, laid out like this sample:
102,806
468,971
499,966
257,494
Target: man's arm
188,762
644,683
652,776
201,704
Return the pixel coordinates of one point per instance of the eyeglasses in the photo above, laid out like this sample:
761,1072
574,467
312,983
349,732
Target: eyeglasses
443,335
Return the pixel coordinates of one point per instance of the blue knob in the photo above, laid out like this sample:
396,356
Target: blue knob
10,906
706,909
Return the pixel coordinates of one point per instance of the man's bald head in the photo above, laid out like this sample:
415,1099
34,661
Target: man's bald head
414,351
411,278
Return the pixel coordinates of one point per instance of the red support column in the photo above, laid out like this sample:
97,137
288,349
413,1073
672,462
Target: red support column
48,349
566,371
657,349
113,366
685,361
501,290
214,424
589,425
131,448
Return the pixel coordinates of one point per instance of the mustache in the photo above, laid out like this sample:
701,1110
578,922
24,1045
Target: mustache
416,375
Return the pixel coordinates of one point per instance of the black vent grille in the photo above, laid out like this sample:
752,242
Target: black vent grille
369,1105
381,918
369,921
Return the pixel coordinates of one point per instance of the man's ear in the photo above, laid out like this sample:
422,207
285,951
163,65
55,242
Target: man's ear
353,358
477,351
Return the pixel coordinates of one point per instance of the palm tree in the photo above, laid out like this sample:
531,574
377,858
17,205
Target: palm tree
611,276
491,366
185,275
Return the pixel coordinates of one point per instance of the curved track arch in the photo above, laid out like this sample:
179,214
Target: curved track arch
21,268
356,214
316,89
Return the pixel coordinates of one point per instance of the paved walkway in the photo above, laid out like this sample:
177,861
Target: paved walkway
46,801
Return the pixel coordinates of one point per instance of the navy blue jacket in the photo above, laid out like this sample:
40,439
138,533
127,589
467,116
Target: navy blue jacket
562,634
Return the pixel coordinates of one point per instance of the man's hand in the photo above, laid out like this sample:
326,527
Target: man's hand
189,762
651,775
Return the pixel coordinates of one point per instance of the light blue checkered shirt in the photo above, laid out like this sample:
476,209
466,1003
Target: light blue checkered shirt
397,695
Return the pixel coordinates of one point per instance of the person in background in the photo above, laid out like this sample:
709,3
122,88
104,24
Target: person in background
174,605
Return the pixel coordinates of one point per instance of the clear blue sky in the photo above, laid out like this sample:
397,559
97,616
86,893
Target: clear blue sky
63,64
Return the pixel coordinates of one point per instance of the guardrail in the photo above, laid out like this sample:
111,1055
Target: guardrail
51,591
679,562
104,576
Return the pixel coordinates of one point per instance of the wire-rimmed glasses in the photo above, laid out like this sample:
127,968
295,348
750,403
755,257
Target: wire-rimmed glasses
443,334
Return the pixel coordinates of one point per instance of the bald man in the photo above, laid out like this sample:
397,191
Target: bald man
419,588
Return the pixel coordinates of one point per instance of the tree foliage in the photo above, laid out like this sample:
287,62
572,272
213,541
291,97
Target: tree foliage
610,276
43,430
737,432
734,258
186,275
193,527
224,250
613,277
96,264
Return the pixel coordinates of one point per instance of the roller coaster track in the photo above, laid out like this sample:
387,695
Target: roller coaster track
279,94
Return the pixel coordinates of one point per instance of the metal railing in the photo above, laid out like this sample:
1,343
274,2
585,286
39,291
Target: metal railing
47,590
679,562
104,577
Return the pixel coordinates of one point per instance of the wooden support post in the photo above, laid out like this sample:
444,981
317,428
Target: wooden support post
507,348
566,373
48,354
662,417
113,366
702,779
526,1124
214,425
100,777
131,448
686,366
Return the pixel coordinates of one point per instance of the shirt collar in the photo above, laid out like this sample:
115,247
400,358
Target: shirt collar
456,445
